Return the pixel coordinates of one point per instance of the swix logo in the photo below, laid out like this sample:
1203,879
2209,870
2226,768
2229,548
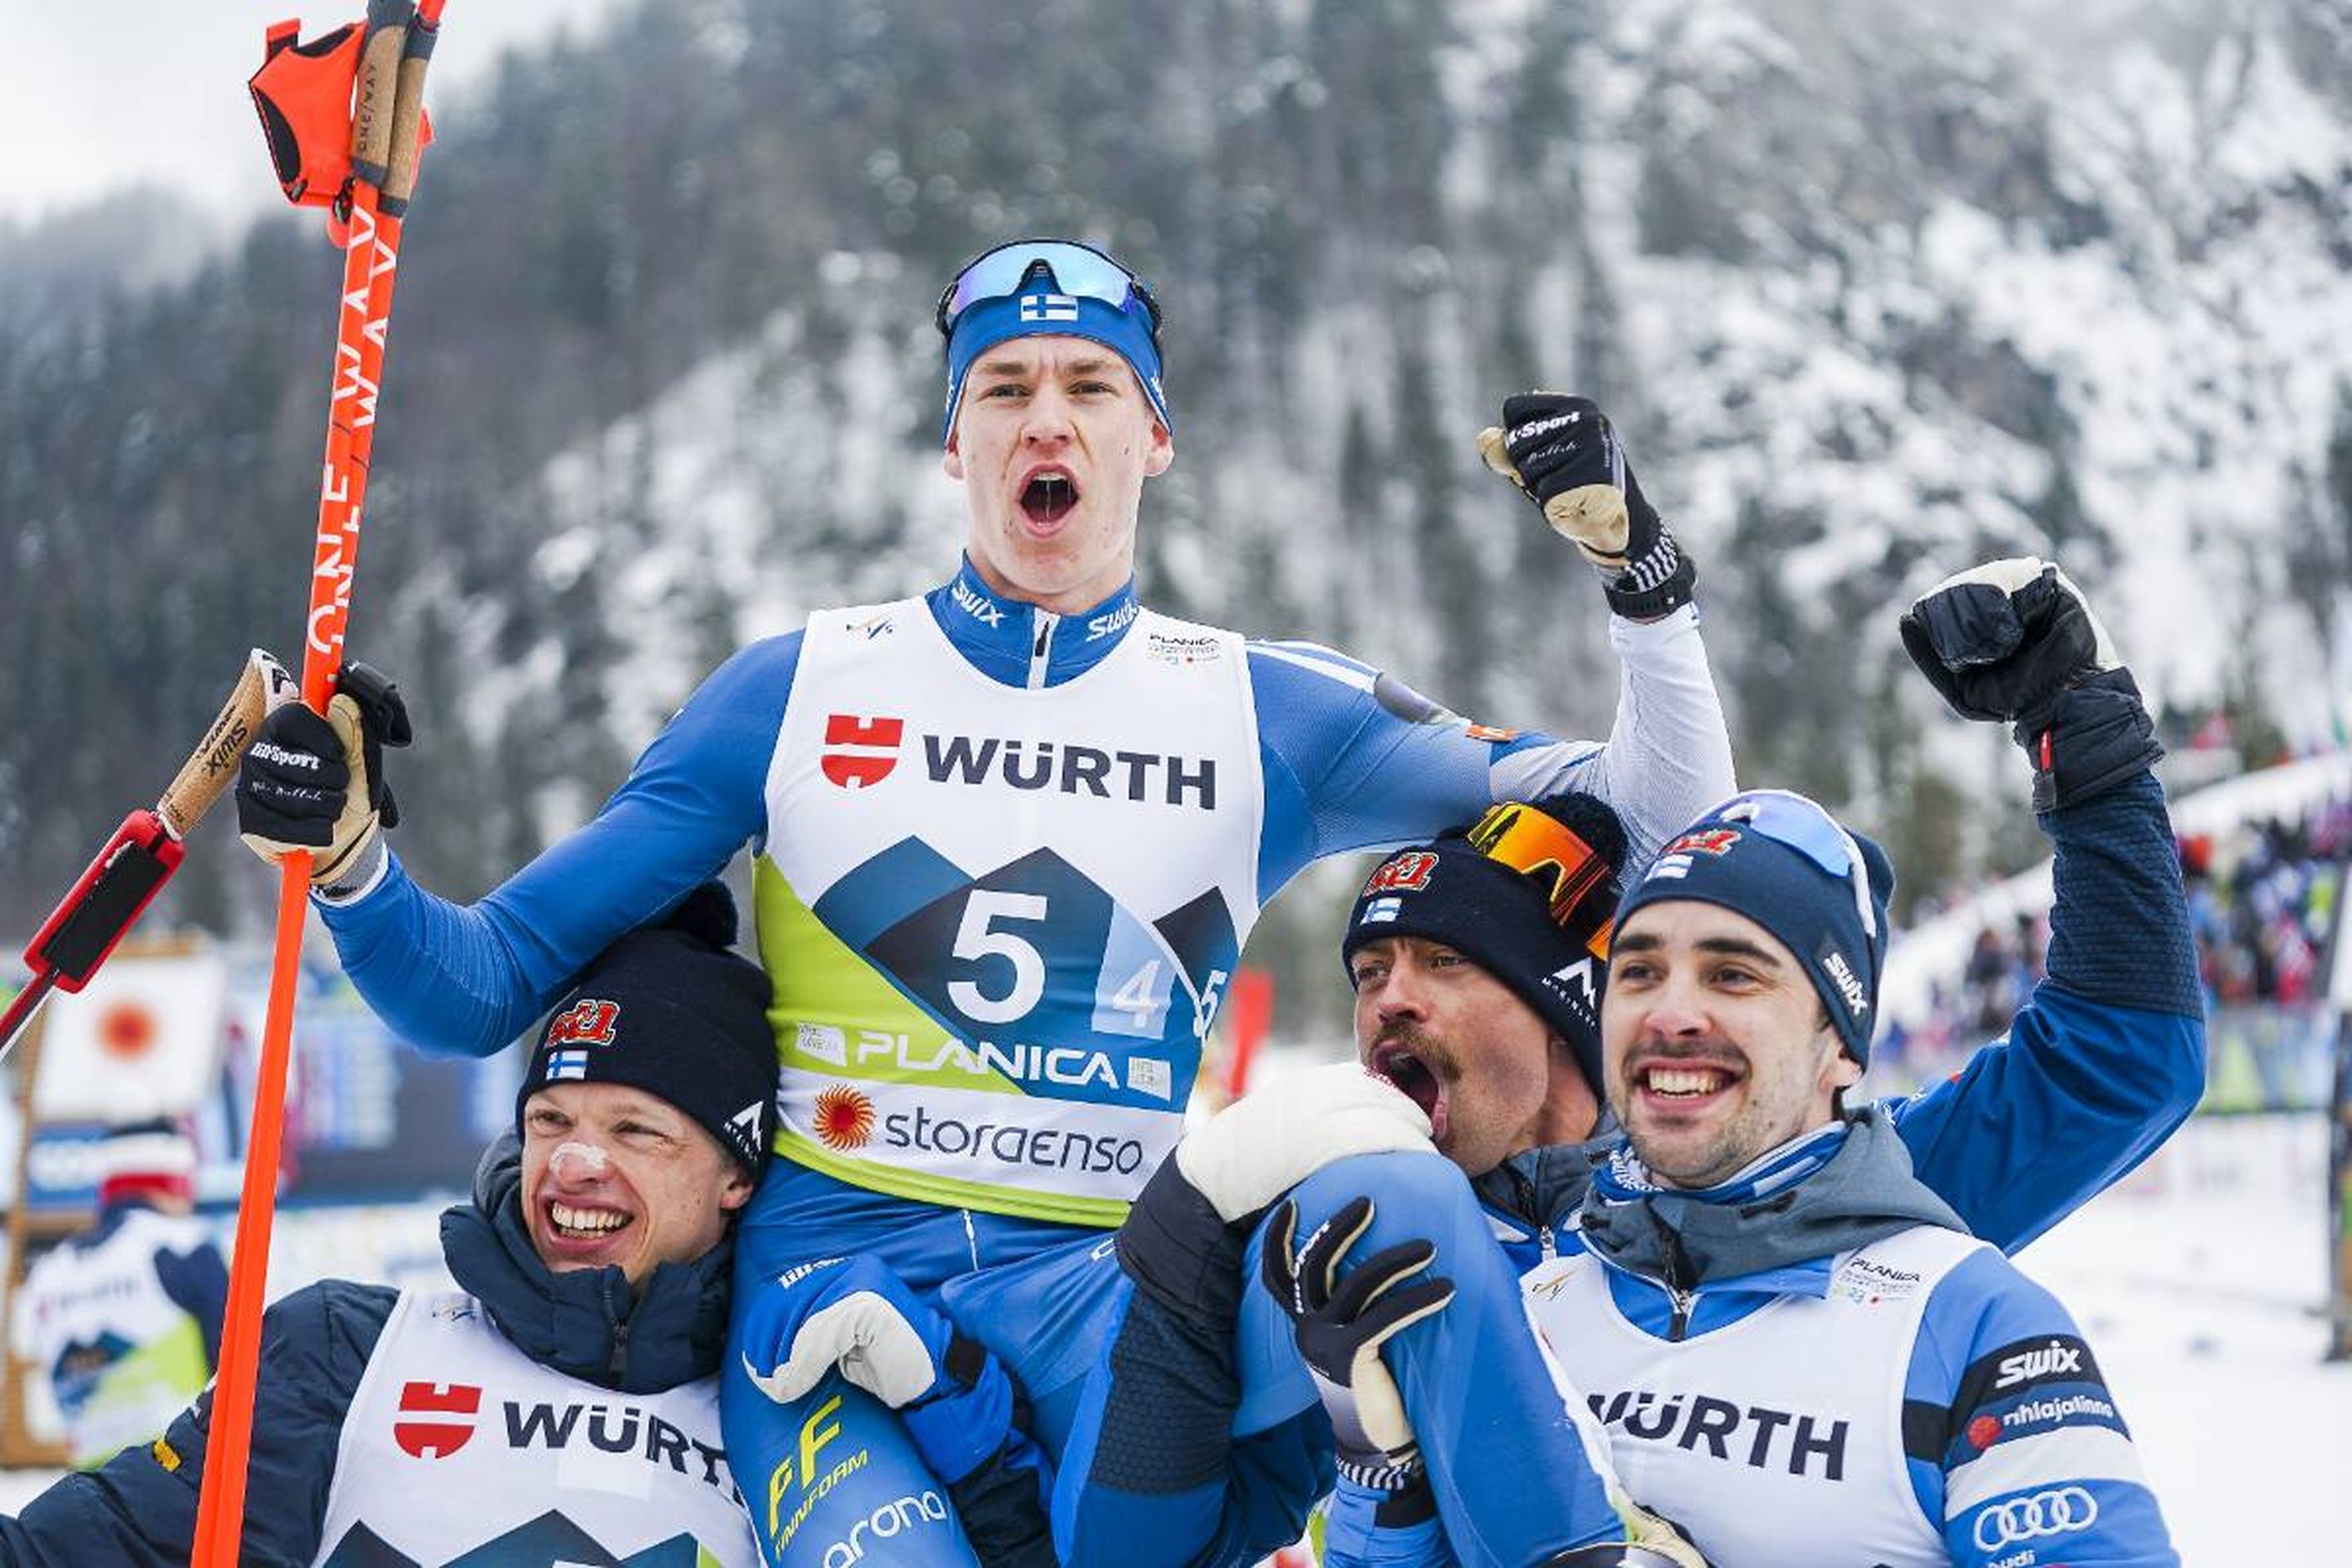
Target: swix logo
1103,625
1842,975
2058,1358
1072,769
439,1438
1407,873
860,753
586,1022
986,611
1704,841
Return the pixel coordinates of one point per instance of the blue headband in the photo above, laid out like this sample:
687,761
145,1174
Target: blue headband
1040,311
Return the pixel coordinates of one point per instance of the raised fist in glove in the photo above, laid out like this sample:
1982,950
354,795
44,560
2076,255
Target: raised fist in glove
857,1315
1342,1320
2014,641
316,784
1562,452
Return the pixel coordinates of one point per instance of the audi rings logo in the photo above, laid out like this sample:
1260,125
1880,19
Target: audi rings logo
2053,1512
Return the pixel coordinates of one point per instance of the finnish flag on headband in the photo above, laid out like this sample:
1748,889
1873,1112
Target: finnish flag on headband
1049,307
567,1064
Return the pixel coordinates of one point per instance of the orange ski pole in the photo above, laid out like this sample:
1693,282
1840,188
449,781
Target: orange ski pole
388,103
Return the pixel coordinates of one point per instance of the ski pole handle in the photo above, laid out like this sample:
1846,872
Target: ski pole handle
380,55
408,109
209,769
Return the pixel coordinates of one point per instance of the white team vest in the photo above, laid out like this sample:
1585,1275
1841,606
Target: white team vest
1777,1441
999,920
124,1357
456,1442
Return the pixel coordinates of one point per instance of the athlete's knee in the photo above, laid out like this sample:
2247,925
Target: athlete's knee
833,1477
1415,1196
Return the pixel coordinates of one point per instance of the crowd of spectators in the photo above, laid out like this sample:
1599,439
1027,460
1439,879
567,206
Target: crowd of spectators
2263,903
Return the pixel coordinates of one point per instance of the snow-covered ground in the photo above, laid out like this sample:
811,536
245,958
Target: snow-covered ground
2199,1283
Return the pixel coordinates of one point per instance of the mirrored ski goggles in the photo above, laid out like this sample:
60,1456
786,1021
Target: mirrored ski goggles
1561,862
1078,270
1789,819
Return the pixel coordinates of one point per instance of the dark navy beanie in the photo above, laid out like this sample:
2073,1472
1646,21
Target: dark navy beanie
1449,891
670,1008
1770,855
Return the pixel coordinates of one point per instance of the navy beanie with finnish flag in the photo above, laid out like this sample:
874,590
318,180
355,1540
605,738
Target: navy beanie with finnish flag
670,1008
1448,892
1819,888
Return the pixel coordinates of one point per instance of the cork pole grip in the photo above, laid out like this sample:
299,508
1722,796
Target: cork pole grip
213,764
379,73
407,114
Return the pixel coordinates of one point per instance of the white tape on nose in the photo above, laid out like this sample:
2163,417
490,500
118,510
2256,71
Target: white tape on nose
588,1154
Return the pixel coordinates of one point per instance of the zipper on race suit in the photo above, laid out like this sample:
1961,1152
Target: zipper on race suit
1549,1249
1045,621
1683,1301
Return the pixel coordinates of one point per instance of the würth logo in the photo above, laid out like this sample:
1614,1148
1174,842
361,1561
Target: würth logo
860,753
439,1438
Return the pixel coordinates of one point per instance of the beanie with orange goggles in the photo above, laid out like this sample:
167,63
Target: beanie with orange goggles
1526,893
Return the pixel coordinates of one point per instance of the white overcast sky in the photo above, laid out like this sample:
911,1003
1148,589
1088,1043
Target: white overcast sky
95,94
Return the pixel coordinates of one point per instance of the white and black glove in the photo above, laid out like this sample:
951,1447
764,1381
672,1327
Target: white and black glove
317,782
1564,455
2014,641
1183,1240
856,1314
1342,1320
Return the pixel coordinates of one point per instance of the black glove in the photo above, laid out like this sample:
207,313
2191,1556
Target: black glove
1342,1321
2014,641
1562,452
295,788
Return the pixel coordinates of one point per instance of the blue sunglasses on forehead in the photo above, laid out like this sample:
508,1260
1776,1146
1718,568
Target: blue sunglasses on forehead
1789,819
1080,270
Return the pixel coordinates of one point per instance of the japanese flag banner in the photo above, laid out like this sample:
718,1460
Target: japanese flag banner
141,1040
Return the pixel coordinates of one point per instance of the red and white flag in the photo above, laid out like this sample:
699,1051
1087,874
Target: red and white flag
141,1040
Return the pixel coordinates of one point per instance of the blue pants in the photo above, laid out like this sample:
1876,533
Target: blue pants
1512,1482
1512,1479
836,1469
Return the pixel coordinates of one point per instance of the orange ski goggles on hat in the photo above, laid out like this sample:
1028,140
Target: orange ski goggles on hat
1528,841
